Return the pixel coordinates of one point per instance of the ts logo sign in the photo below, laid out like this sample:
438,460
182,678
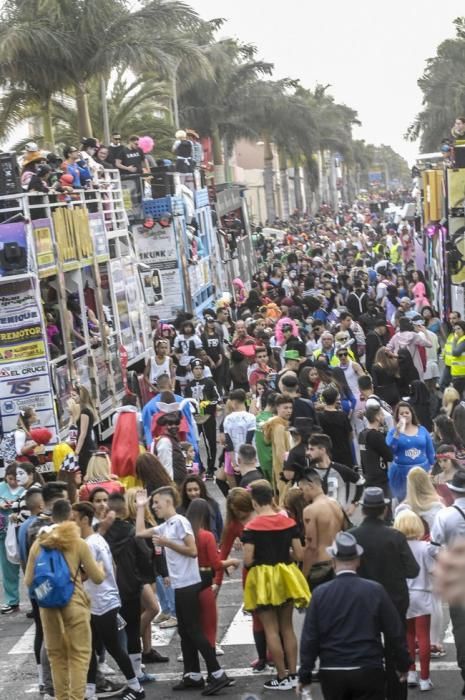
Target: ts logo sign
21,387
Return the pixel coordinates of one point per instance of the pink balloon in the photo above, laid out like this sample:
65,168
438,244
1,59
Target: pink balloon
146,143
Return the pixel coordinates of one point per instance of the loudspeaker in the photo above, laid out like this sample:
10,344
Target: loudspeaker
459,153
13,257
162,183
9,174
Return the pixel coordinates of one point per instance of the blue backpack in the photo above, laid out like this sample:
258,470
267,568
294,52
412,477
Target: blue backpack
52,585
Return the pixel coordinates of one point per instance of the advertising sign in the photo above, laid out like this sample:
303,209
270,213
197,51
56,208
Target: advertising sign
24,371
157,249
42,229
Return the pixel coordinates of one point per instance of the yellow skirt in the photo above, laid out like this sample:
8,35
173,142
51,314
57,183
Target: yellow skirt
268,585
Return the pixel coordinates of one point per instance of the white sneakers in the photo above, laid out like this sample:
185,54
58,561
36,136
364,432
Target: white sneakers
426,684
412,679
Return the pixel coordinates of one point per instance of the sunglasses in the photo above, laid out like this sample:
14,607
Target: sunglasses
343,354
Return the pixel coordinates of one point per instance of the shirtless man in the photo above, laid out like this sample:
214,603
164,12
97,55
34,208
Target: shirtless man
323,519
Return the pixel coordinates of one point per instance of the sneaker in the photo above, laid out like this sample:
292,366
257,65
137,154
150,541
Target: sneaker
41,689
426,684
7,609
214,685
437,652
259,666
231,681
146,678
108,689
187,683
180,657
161,617
209,476
170,622
130,694
276,684
218,650
105,669
294,679
154,657
30,614
412,679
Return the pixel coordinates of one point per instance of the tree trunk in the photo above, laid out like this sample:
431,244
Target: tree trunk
284,179
308,192
47,125
268,179
218,161
82,104
105,118
298,187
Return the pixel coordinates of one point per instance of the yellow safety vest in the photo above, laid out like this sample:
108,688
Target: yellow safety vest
335,361
447,352
457,368
395,254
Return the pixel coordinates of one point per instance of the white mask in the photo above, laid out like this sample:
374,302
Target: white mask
21,477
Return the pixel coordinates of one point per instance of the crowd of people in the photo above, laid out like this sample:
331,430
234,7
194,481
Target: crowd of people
325,403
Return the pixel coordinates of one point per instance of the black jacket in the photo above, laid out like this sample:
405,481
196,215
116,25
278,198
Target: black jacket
132,557
343,627
387,559
373,343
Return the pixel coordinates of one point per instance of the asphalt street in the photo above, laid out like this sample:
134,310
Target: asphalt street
18,676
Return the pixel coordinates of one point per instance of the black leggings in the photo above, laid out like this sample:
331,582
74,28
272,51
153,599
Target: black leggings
130,612
105,630
193,639
39,632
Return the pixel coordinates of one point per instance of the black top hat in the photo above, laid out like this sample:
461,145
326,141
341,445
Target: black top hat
345,547
373,497
458,482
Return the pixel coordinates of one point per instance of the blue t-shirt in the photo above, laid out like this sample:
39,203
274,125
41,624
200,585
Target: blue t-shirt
412,450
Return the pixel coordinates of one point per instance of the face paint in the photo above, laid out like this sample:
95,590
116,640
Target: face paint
21,477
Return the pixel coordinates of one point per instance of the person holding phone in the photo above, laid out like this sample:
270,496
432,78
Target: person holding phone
411,445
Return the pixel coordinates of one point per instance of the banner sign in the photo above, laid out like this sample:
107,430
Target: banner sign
161,284
24,368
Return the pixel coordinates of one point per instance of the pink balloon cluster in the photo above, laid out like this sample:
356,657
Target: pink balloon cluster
146,143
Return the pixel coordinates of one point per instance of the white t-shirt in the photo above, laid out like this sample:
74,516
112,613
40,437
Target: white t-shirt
237,424
103,596
183,571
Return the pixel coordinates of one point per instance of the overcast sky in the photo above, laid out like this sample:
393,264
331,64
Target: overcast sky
371,53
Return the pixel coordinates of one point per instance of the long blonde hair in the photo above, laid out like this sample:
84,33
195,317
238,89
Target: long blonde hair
86,400
449,399
132,508
421,494
99,468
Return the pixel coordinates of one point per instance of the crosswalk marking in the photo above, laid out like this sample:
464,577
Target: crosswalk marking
25,644
239,631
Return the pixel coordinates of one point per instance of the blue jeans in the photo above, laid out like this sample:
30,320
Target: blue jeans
166,597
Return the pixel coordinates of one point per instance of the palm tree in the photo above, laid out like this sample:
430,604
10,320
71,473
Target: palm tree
219,106
443,87
135,105
52,45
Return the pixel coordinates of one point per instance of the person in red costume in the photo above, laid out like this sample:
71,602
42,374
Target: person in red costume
126,440
210,563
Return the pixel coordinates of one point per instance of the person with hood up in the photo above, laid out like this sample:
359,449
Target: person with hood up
67,629
407,338
276,433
